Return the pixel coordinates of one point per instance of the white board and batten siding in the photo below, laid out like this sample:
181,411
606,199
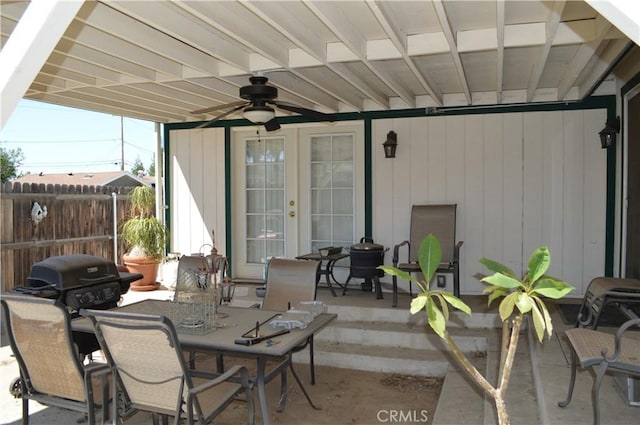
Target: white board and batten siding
520,180
197,181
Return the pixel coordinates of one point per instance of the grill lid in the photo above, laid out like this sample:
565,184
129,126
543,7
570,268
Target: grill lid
366,244
72,271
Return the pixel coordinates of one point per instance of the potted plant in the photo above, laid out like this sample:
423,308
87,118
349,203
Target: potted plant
520,297
146,236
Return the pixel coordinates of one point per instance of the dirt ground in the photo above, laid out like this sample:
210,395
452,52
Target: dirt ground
347,396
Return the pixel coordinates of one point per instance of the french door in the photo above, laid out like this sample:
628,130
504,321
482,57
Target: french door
293,191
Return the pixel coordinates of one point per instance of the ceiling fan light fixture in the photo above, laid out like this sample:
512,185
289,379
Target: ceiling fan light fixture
259,114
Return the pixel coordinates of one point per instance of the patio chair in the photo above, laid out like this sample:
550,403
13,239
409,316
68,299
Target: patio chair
439,220
604,352
288,283
51,369
147,361
604,292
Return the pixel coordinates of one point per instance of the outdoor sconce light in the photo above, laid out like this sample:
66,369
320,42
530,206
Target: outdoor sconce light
390,145
608,133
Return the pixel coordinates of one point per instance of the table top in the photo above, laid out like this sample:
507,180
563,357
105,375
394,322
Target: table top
239,321
317,256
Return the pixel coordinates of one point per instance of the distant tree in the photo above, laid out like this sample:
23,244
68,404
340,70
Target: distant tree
152,167
10,161
137,166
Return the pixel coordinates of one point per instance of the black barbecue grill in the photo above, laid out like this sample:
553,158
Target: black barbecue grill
79,281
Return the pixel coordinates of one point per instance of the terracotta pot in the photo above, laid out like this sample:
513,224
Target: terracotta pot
146,266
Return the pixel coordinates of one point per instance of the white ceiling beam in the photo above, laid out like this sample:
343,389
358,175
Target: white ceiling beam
477,40
575,32
625,15
582,57
311,51
427,44
189,35
448,33
114,46
29,46
347,33
70,100
299,58
115,23
523,35
614,49
553,21
499,49
398,39
268,55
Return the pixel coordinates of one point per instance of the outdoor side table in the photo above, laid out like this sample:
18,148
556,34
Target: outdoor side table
328,262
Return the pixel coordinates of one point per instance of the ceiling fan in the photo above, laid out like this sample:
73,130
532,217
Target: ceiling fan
256,106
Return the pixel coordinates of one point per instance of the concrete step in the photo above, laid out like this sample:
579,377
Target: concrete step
397,315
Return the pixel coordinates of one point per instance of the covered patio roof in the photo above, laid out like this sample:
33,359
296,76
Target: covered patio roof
160,60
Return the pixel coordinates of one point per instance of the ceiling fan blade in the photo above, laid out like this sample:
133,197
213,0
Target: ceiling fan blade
272,125
219,107
320,116
219,117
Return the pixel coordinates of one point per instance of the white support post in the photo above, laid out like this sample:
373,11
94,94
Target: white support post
30,44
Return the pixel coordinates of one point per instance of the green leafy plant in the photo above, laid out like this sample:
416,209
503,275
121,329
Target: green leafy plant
143,232
521,297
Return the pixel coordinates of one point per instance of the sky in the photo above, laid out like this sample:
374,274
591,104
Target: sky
58,139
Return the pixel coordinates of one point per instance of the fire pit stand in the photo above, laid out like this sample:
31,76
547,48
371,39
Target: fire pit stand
366,256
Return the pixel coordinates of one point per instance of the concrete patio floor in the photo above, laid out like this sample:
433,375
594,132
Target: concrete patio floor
548,361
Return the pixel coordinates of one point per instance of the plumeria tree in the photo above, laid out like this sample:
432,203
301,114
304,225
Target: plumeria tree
520,297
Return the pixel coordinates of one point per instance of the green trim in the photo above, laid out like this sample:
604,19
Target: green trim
227,197
611,199
167,184
593,102
368,179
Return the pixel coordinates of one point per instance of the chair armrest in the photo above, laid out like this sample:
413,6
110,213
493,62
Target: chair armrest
456,252
244,379
396,250
619,337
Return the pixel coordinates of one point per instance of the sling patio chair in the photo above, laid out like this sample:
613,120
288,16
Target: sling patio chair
605,352
604,292
51,369
439,220
151,372
289,282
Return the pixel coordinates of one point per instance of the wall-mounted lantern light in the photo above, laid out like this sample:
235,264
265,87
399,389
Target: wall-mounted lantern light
390,145
608,133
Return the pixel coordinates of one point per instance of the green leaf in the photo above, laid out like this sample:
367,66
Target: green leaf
418,303
443,304
506,306
429,256
538,263
496,293
496,267
552,288
523,302
503,281
538,322
456,302
435,318
545,313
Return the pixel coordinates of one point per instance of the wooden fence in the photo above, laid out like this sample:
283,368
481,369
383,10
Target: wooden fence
79,220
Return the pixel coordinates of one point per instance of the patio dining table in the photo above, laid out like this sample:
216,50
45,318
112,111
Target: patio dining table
236,322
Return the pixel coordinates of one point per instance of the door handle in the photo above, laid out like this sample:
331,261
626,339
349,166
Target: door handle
292,213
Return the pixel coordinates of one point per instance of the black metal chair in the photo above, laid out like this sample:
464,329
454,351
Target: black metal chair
439,220
604,352
51,369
